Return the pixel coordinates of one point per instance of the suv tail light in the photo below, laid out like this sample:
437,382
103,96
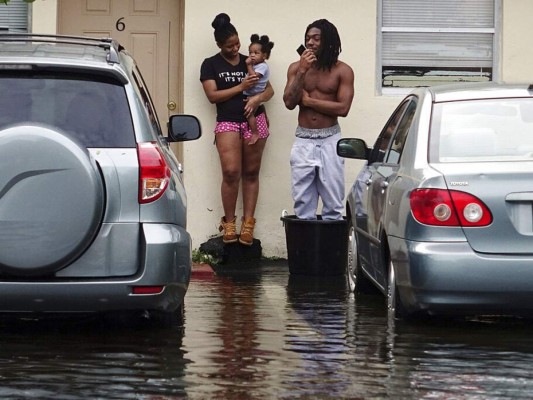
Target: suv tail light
154,172
448,208
143,290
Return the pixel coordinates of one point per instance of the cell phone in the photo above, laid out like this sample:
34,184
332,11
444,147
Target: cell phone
300,49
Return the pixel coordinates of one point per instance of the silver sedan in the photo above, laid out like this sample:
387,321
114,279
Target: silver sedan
441,214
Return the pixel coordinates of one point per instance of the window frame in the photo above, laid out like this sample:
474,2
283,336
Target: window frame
402,131
381,148
496,45
147,102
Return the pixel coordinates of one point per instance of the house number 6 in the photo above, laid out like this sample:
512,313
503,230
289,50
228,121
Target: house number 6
120,25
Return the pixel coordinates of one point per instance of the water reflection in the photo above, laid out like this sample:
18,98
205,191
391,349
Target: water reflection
236,358
258,333
317,310
317,342
475,359
88,357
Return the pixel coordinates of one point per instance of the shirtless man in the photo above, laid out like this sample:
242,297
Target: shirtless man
323,88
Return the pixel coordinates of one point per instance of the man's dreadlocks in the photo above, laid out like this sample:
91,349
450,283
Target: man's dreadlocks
330,45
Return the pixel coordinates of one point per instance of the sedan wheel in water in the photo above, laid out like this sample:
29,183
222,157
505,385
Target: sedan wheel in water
394,304
357,281
351,264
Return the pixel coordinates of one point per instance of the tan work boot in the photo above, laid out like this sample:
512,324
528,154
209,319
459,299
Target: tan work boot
230,230
247,231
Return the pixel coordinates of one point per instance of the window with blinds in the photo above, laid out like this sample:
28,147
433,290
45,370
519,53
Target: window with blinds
14,16
427,42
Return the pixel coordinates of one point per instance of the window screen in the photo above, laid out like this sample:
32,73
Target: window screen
427,42
14,16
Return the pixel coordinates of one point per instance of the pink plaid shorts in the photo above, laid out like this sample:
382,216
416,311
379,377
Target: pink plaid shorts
243,128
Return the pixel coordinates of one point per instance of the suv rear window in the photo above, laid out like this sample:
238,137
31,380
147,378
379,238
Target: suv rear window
94,112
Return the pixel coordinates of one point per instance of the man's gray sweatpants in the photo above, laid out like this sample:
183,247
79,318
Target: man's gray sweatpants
317,171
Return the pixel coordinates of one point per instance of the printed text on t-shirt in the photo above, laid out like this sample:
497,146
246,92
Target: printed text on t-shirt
236,76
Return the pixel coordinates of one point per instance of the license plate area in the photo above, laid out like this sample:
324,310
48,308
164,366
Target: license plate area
520,206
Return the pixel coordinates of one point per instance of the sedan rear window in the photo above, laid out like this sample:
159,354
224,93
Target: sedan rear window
95,113
482,130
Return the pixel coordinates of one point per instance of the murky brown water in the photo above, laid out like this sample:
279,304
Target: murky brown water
259,333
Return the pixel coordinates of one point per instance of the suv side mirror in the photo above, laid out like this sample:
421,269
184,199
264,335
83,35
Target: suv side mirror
182,128
353,148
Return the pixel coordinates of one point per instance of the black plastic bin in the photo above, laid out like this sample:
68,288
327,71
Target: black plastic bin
316,247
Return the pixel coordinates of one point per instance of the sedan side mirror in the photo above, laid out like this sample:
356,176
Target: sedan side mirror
182,128
353,148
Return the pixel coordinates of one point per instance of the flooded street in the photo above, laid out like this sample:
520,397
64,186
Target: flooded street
259,333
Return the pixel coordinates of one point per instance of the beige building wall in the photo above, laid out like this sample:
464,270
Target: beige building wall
517,41
285,23
44,16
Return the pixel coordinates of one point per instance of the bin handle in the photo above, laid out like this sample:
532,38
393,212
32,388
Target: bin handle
284,213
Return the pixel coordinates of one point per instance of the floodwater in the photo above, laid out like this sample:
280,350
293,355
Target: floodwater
260,333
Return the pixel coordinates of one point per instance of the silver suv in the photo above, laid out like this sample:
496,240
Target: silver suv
92,201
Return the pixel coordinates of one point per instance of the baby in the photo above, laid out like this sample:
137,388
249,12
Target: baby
259,52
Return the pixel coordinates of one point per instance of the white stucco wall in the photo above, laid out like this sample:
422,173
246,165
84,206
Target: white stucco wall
44,16
285,23
517,41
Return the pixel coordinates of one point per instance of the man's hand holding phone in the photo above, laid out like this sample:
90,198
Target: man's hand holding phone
307,58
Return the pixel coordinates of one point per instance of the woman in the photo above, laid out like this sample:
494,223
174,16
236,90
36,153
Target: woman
224,80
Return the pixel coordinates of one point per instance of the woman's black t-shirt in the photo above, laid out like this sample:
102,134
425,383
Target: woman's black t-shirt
226,76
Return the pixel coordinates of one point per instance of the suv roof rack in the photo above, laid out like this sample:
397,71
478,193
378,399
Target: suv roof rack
107,43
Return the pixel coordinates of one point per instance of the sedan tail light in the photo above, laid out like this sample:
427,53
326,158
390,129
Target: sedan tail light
154,172
448,208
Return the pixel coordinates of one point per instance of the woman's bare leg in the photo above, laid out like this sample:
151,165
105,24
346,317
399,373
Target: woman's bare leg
251,166
229,146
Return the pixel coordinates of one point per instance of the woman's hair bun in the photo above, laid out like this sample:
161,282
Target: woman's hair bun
220,21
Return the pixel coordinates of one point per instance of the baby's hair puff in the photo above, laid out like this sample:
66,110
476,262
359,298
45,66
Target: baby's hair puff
264,41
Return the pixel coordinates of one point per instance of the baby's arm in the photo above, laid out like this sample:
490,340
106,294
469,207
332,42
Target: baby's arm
250,67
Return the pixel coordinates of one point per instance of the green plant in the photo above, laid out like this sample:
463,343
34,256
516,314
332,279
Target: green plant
203,258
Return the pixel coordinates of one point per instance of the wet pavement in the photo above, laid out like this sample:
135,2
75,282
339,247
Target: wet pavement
261,333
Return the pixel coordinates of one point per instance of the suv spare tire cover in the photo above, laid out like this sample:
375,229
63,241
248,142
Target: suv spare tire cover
51,200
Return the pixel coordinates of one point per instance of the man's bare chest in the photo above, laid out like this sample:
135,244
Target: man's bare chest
324,82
